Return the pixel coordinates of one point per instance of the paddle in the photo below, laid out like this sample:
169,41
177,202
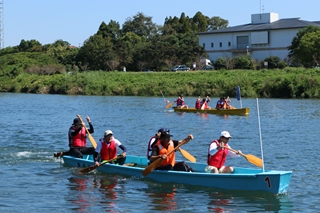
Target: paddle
187,155
170,104
203,106
155,164
251,158
90,168
93,142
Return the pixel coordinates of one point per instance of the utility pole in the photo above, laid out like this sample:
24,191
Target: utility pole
1,25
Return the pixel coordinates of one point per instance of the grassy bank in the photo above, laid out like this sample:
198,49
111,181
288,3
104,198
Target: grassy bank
287,83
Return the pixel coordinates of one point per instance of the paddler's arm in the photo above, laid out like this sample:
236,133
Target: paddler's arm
91,130
154,155
124,150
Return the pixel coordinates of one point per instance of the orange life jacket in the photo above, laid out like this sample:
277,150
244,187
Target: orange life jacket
171,159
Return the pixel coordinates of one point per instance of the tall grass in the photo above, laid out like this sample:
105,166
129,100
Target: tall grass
287,83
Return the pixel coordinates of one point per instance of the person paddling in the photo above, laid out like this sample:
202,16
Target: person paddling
107,147
217,155
164,146
77,137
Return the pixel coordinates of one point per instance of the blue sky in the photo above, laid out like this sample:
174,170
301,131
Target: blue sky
76,20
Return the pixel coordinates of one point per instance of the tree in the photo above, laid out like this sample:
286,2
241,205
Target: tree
304,47
200,22
30,46
243,62
273,62
216,23
111,30
113,64
126,47
96,51
62,51
141,25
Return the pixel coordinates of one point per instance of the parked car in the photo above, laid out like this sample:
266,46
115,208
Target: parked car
208,67
147,70
180,68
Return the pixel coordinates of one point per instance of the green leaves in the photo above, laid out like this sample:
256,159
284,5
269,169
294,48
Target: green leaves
305,47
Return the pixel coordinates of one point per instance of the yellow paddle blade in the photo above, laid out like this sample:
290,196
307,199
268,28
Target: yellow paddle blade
169,105
254,160
187,155
202,107
93,142
155,164
251,158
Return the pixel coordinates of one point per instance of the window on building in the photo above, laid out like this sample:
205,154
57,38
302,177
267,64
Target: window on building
229,44
242,42
220,44
212,45
203,44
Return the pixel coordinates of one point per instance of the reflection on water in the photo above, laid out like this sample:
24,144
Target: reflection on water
253,201
80,200
162,198
218,202
106,186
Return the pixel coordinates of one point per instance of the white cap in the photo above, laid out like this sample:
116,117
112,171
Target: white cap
225,134
108,132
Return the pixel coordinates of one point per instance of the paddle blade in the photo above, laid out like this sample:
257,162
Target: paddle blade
88,169
254,160
155,164
203,106
187,155
169,105
93,142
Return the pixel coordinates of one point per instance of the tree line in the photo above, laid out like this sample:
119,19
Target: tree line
141,44
138,45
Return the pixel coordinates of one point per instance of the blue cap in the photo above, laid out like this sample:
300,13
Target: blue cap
165,135
163,130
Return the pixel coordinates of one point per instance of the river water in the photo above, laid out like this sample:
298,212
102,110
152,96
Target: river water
34,126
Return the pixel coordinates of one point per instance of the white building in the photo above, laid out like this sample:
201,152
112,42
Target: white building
265,36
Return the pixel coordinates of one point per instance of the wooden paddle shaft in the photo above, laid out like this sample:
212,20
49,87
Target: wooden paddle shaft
93,142
88,169
235,151
158,161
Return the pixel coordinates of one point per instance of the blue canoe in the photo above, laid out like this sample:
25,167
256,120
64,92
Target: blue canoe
276,182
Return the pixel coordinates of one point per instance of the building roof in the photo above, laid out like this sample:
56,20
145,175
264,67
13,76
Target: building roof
288,23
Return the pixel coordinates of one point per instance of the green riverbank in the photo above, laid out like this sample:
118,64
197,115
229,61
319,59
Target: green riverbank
286,83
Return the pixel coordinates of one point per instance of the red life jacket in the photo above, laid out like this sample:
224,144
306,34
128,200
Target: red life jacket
171,159
80,140
219,158
198,105
180,102
108,151
220,104
150,146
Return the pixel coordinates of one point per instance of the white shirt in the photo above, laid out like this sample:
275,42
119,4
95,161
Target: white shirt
99,145
213,150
